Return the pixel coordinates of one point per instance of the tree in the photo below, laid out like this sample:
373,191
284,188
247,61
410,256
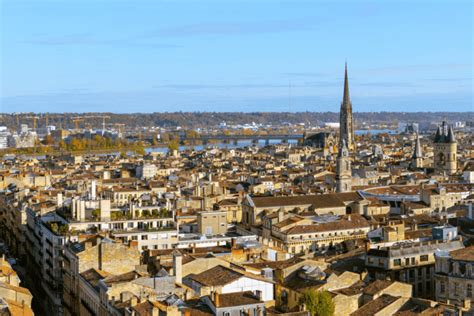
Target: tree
318,303
62,144
173,145
48,140
95,213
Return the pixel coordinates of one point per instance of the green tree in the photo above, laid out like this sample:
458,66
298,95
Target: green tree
173,145
96,213
318,303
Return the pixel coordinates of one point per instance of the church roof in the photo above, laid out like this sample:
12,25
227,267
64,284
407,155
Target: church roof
444,134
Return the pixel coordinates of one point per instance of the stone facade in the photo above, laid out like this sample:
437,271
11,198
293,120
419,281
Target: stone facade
445,150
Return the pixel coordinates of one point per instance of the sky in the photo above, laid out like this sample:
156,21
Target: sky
165,56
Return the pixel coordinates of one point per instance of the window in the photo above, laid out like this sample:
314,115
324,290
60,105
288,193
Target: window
424,258
456,289
226,314
469,290
397,262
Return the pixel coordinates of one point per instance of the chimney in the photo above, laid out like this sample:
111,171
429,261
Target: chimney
217,302
178,266
258,294
59,200
281,215
93,190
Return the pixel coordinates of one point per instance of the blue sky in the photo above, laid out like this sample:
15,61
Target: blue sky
153,56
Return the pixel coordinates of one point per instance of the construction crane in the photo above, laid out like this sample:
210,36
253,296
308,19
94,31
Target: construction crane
120,128
103,117
76,120
34,120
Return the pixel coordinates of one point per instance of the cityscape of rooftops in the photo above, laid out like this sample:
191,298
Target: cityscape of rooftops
230,158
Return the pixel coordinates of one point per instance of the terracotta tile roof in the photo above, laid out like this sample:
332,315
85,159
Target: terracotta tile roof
356,221
219,275
296,283
377,286
275,264
238,299
319,201
466,254
354,289
372,307
124,277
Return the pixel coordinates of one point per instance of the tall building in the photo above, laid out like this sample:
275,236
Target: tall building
343,169
346,128
445,148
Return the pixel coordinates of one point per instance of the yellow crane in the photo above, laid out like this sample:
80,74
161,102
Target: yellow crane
34,120
103,117
76,120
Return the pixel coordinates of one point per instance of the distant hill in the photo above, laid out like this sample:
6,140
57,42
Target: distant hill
212,119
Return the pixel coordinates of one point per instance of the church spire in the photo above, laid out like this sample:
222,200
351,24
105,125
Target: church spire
417,152
346,100
346,129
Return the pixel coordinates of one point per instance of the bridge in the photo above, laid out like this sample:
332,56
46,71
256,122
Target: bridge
284,138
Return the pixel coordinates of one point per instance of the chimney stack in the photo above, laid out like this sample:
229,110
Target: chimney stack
93,190
59,200
178,266
217,302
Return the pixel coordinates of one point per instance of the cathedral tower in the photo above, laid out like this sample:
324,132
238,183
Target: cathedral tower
346,129
343,169
445,148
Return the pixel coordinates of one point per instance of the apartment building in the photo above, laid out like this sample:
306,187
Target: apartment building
96,252
409,261
298,234
454,277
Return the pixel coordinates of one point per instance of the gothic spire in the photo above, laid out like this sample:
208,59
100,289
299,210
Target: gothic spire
346,100
417,153
343,150
451,138
438,136
346,129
